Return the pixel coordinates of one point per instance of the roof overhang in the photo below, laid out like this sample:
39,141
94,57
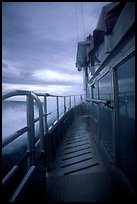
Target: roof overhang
82,54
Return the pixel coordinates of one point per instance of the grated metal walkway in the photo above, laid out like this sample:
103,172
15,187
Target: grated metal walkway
79,174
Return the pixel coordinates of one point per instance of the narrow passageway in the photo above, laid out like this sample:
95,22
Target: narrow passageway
79,173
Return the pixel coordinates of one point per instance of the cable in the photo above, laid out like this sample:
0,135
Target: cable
76,19
83,20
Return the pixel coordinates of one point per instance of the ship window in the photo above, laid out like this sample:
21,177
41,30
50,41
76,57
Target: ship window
105,91
105,114
95,96
95,91
126,117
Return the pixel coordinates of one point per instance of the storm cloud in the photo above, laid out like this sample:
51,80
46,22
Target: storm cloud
39,44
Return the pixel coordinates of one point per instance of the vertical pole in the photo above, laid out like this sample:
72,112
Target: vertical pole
45,111
81,98
115,117
74,101
31,134
57,108
85,79
64,104
47,144
70,101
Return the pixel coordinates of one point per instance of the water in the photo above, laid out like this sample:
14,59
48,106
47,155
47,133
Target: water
14,117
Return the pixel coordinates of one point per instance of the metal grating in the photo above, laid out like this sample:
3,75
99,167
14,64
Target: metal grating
78,155
77,150
79,173
76,162
76,146
93,187
80,168
76,141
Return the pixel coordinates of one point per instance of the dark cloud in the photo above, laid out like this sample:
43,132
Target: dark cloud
49,82
5,66
42,36
27,78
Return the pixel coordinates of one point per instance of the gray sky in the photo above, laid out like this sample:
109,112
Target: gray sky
39,44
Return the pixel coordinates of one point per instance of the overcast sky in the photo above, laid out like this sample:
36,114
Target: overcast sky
39,44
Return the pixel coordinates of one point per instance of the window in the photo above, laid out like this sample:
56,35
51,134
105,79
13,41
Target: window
125,73
105,114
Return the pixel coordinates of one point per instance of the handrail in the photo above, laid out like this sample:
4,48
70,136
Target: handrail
25,179
14,169
52,95
37,119
23,130
22,184
14,136
105,102
46,95
41,128
29,128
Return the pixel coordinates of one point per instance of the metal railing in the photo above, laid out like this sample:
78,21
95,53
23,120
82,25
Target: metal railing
30,130
68,102
108,103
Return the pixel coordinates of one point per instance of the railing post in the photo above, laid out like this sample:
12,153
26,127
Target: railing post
57,108
64,104
70,101
74,101
31,131
47,144
81,98
41,128
45,111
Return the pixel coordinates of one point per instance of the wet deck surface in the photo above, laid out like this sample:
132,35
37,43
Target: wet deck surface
79,174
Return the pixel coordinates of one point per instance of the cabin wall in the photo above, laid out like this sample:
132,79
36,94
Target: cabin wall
114,79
